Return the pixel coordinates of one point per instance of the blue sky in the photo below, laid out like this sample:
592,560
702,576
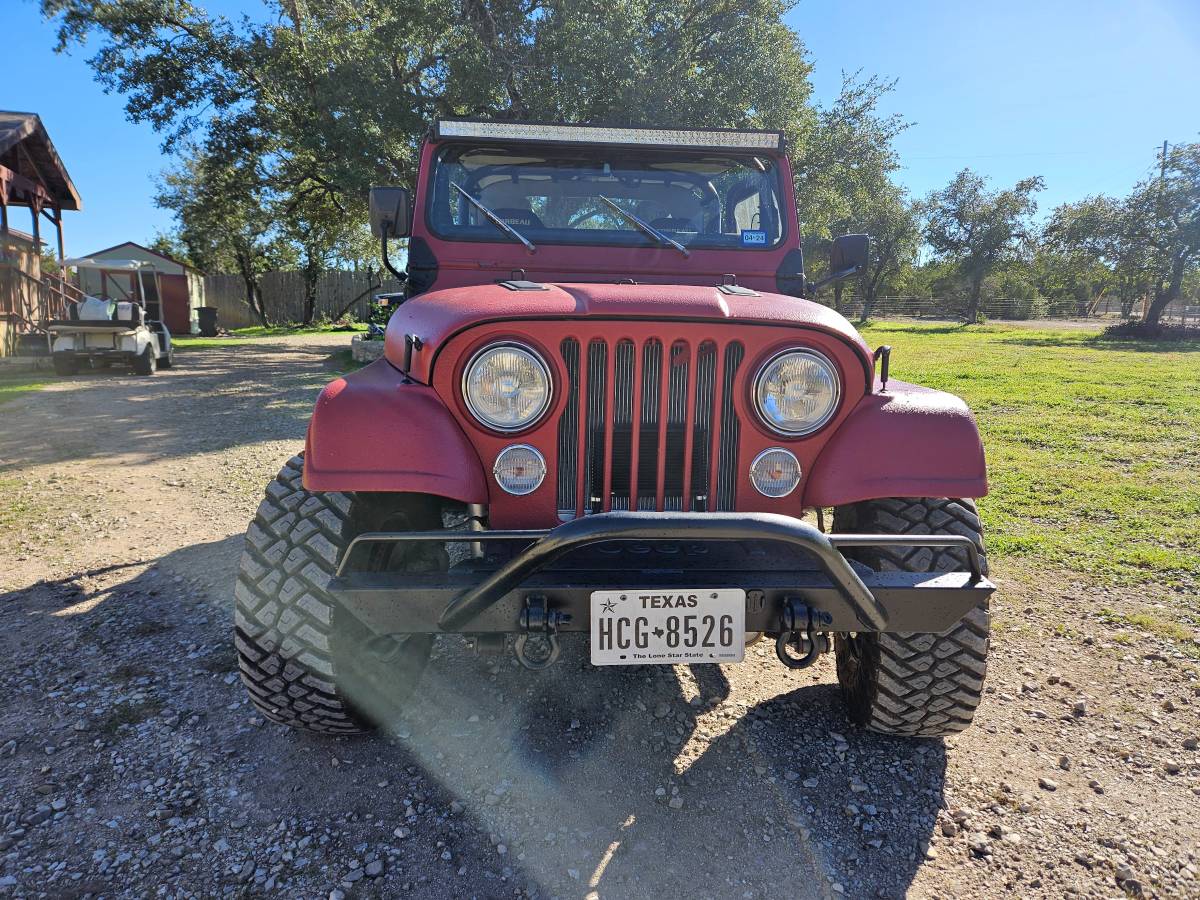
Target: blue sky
1081,92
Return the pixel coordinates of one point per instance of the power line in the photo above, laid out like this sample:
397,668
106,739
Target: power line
1004,155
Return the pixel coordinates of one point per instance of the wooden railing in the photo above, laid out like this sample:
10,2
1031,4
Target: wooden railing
32,302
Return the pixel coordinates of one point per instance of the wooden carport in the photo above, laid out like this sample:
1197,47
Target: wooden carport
32,176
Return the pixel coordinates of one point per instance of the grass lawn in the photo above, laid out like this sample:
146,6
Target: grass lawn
241,335
1091,444
14,384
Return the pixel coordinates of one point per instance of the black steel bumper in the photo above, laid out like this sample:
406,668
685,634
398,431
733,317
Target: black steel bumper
489,595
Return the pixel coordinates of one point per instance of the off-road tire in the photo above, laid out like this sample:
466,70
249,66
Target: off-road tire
305,660
66,366
168,360
918,685
145,362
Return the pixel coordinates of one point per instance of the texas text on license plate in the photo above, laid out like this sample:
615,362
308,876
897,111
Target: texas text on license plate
634,628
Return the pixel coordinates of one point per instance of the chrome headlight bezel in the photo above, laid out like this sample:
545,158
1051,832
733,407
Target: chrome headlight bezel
472,406
513,448
811,428
756,484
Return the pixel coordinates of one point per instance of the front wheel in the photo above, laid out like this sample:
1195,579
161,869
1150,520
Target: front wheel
918,685
306,660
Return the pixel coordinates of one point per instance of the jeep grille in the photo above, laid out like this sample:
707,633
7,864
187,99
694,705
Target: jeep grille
683,461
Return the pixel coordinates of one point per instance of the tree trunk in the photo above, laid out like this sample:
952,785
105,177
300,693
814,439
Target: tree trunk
870,291
262,305
973,304
1165,294
253,295
310,294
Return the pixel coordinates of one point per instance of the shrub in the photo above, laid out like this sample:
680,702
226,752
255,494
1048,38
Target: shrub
1144,331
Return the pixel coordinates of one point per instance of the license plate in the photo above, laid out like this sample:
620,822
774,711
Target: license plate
637,628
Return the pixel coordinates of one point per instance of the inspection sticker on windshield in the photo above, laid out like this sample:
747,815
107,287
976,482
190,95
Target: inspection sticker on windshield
657,626
754,238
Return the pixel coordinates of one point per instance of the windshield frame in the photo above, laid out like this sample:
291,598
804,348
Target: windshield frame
784,196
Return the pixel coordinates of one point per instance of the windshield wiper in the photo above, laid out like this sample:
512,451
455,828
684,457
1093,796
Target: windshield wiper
496,220
650,230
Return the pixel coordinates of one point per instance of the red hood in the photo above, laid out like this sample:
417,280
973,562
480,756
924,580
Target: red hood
436,316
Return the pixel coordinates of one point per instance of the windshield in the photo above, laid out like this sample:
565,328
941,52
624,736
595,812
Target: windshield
699,199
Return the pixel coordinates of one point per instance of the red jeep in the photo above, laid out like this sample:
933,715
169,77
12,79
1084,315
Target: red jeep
606,406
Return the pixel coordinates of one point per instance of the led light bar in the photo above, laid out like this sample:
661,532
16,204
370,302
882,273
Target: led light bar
597,134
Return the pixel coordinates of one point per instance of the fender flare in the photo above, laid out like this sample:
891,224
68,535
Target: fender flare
911,441
374,430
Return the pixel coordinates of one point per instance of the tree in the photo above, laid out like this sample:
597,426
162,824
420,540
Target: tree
845,160
345,90
843,184
979,229
329,98
169,244
892,223
1096,245
224,217
1166,214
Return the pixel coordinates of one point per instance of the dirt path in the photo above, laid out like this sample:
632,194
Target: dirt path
131,762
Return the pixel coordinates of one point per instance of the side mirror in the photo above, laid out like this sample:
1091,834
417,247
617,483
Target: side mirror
849,254
389,212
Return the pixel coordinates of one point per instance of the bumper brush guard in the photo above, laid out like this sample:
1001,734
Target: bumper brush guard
836,596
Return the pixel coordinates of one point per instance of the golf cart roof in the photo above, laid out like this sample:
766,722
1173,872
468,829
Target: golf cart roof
87,262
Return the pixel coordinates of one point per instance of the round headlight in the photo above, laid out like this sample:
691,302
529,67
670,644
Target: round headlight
506,387
519,469
775,472
797,392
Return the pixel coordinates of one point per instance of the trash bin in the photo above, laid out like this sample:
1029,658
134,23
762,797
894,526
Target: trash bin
208,321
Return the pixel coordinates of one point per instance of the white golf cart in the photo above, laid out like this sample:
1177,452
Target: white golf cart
102,331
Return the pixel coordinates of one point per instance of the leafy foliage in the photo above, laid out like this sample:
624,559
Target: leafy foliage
1166,220
978,228
298,113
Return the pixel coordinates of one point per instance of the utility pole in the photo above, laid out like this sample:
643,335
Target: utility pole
1162,188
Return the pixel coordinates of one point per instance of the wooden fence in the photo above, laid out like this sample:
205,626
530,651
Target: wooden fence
283,296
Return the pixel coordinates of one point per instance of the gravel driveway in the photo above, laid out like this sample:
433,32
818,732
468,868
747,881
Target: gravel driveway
131,763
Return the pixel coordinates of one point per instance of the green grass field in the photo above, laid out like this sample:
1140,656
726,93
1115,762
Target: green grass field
241,335
1091,444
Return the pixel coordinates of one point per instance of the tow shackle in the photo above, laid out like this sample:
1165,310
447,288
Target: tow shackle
539,621
796,627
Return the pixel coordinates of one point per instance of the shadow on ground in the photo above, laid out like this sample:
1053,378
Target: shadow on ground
649,781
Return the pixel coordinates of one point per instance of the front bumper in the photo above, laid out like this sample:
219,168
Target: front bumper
778,560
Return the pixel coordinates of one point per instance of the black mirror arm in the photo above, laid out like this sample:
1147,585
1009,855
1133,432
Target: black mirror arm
383,252
883,353
836,276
